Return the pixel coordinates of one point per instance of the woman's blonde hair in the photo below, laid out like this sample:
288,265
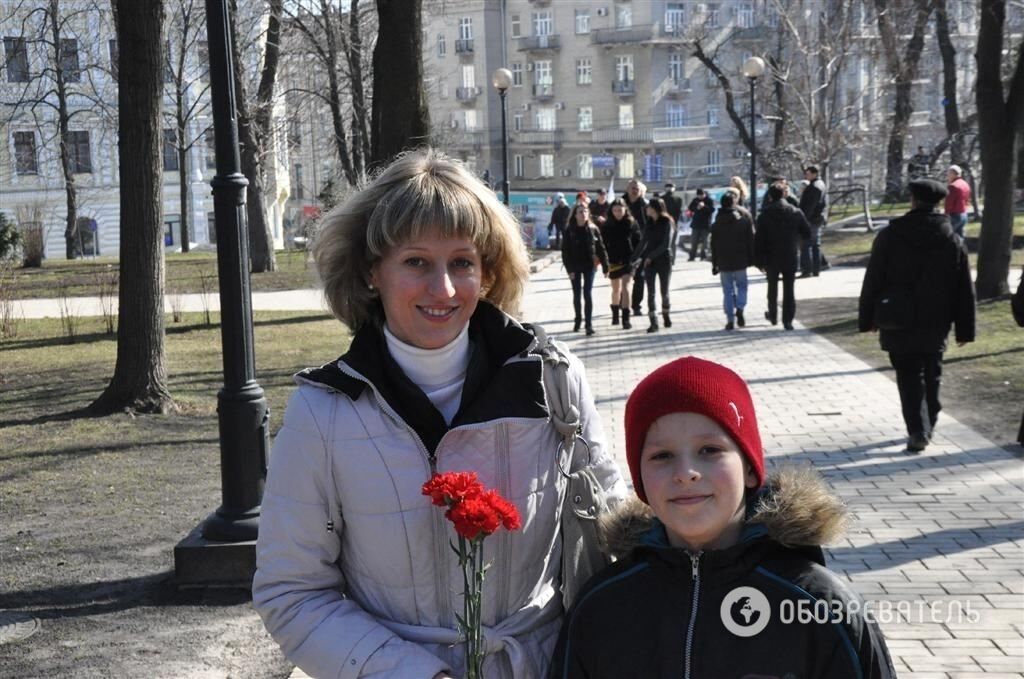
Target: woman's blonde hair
742,190
421,191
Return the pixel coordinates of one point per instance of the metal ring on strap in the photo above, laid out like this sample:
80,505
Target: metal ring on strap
561,447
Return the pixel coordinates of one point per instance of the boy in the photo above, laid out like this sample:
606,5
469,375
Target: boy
719,581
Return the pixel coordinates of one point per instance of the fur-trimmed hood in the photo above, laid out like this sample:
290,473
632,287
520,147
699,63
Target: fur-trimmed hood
795,508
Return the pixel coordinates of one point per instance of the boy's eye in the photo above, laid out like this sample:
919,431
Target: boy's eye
710,450
661,455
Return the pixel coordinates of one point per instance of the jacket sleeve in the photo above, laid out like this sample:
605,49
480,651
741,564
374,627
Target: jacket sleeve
662,247
602,252
964,319
871,288
863,653
714,243
804,225
567,251
298,588
760,244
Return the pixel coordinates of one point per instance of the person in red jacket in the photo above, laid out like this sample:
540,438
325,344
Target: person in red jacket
957,197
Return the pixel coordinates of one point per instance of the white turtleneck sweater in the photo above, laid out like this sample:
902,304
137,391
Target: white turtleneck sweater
440,373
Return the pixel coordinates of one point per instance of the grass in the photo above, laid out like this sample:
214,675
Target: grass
982,382
92,507
184,273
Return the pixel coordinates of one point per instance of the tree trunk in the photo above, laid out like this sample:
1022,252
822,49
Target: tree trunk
183,175
400,118
354,56
72,243
140,374
951,108
998,125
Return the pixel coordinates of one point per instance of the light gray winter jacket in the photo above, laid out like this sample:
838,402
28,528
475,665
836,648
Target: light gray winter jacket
355,574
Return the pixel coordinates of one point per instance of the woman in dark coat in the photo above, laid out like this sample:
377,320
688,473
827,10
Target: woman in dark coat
656,253
582,250
621,236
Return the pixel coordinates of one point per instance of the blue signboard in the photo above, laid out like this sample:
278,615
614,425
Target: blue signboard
603,162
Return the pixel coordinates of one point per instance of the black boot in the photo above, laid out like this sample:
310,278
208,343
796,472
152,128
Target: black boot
590,330
576,324
615,314
739,318
654,323
668,321
625,318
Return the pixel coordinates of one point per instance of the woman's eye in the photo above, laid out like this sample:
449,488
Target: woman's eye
414,261
463,263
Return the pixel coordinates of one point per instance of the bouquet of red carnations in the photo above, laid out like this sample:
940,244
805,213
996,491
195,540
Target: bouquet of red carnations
476,513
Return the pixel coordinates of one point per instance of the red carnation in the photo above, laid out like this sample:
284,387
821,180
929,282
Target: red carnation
506,511
474,516
452,487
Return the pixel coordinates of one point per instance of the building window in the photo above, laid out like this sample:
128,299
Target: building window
78,149
675,115
585,166
542,23
583,21
442,88
745,15
542,73
677,167
211,150
300,191
442,46
772,16
547,165
112,50
465,28
517,166
172,229
517,122
623,16
624,68
545,119
170,149
204,60
468,76
584,71
211,227
713,19
472,120
712,116
517,74
675,67
514,26
625,163
25,161
714,165
675,17
294,133
88,236
585,118
69,60
625,116
168,65
16,59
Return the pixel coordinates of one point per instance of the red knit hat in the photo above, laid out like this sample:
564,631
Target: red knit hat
693,385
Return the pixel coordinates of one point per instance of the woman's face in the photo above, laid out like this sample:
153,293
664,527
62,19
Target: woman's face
582,215
618,211
429,288
651,212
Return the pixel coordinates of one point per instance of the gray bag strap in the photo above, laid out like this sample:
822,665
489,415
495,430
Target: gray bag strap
562,406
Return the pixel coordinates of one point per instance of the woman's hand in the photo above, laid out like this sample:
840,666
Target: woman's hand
647,263
443,675
572,275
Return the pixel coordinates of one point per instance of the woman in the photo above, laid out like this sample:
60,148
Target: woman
582,251
656,254
621,236
740,188
355,576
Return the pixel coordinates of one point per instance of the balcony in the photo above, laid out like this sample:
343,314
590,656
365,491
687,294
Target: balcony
474,140
678,135
464,46
539,137
539,42
637,135
622,36
624,88
544,92
672,30
919,118
467,94
678,86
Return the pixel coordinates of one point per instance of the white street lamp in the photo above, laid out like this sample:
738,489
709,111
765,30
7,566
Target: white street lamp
753,68
502,80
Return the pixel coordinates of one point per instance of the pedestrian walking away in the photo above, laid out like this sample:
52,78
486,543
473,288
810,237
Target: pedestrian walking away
701,208
780,227
559,220
637,205
674,205
355,575
621,236
582,252
813,203
656,254
732,252
916,287
958,197
712,550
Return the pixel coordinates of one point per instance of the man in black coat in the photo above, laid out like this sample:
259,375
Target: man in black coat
812,204
780,226
674,205
918,263
559,220
701,207
636,203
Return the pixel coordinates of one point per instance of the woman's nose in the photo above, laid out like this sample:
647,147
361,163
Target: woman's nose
441,284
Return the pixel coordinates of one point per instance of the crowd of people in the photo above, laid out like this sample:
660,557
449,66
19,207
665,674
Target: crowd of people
634,239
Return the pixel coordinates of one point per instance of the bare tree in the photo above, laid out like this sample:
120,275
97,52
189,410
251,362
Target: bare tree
400,117
140,374
188,87
68,86
1000,98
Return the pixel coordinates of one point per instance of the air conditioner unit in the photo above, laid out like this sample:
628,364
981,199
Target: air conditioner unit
559,106
607,173
602,11
526,106
529,65
566,173
454,124
740,153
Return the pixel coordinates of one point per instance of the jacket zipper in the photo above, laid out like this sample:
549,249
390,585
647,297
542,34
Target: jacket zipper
695,564
503,555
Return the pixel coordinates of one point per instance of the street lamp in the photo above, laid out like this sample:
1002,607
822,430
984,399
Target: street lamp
753,68
502,80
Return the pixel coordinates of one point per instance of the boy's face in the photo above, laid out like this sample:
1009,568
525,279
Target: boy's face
695,478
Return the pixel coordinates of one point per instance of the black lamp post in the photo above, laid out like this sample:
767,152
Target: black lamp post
753,68
502,80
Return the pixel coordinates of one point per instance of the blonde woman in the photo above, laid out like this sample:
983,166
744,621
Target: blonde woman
737,184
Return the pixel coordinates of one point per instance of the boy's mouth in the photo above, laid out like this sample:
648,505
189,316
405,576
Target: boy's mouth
689,499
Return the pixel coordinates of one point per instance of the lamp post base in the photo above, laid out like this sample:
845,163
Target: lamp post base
199,561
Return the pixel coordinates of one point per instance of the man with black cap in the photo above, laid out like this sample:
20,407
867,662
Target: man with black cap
599,208
917,285
674,205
